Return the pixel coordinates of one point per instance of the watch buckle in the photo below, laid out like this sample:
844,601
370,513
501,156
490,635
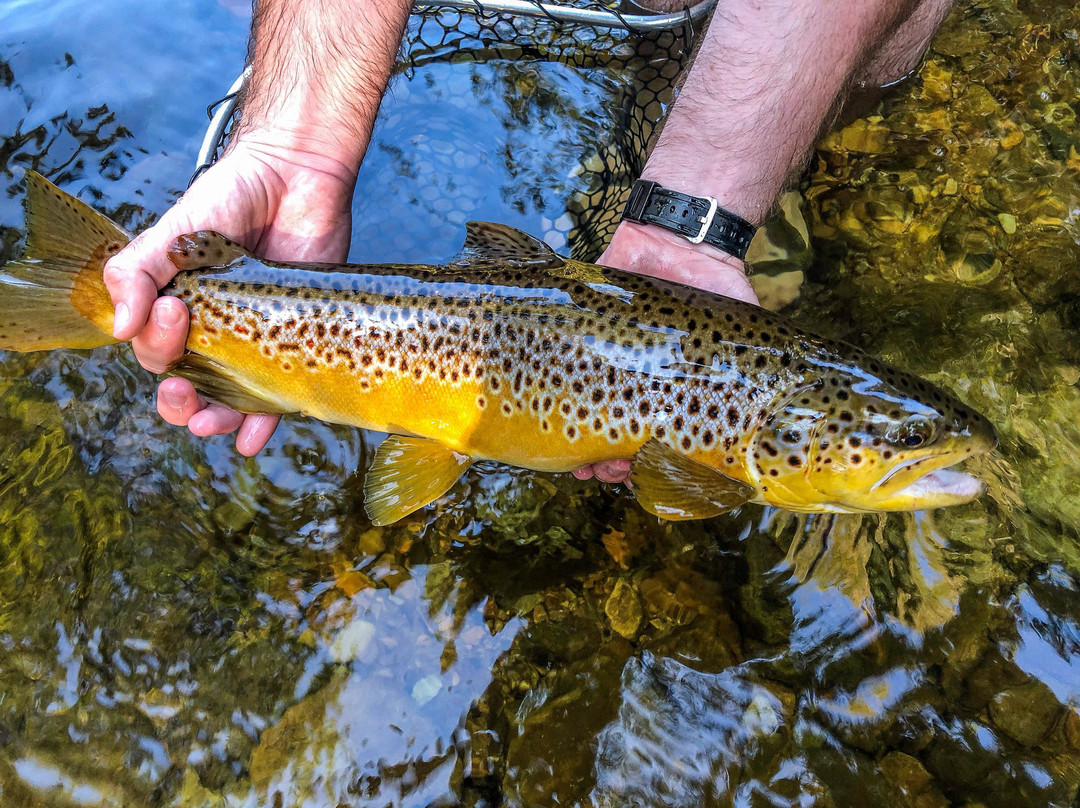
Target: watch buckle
706,221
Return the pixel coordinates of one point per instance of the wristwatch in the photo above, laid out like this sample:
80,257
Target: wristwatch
697,218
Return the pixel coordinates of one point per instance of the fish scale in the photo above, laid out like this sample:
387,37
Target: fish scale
592,370
512,353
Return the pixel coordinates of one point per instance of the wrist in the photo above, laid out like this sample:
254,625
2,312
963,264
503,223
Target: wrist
299,155
669,249
319,69
695,218
662,254
738,190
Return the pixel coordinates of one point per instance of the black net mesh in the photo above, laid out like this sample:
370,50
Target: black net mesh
642,68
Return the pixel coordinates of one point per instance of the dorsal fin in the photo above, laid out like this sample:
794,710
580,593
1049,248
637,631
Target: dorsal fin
488,241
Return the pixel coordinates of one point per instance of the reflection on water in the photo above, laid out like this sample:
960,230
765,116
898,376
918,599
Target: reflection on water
180,626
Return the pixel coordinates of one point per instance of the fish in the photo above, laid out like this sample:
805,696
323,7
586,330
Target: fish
509,352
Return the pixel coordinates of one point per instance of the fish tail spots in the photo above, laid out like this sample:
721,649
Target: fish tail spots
205,248
55,297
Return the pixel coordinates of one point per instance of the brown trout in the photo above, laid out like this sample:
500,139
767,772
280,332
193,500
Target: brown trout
512,353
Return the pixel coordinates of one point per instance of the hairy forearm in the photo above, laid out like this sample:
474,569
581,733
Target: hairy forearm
319,70
766,81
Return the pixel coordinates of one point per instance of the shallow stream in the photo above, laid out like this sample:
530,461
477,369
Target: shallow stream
183,627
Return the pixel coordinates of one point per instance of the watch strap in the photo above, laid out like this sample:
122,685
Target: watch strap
696,218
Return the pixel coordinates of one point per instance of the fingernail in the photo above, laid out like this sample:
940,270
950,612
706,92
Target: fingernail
173,399
168,316
121,319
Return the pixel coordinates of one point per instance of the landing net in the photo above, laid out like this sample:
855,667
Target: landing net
648,50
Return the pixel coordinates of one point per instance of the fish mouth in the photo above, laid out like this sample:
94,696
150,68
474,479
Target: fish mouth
939,488
936,488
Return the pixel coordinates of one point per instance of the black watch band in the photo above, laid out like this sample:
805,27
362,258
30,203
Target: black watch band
698,219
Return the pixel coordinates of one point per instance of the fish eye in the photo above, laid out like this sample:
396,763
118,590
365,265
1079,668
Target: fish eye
916,431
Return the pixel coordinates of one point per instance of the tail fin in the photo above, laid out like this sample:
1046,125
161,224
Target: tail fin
55,297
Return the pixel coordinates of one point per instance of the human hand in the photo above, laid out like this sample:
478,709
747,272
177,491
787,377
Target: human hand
662,254
281,203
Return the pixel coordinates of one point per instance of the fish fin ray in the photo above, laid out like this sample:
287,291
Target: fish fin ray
407,474
55,297
488,241
672,486
205,248
217,383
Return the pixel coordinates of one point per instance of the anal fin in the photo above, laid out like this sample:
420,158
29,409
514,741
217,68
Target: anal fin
218,383
672,486
407,474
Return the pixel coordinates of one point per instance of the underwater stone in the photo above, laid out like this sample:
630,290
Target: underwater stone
623,609
911,778
552,746
372,542
1039,276
194,793
559,641
351,641
1025,713
1072,729
285,757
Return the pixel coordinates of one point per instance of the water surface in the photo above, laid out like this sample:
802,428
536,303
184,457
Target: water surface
179,626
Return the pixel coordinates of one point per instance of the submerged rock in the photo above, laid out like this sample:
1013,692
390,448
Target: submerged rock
1026,713
623,610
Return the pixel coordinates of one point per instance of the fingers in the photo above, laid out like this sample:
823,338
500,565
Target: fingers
177,401
161,342
607,471
133,277
180,405
612,471
255,432
215,420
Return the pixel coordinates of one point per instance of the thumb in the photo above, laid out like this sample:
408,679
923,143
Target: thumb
135,274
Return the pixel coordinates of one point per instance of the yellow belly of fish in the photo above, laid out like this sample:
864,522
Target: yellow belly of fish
464,415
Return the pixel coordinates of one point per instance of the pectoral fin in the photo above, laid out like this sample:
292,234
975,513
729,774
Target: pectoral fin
407,474
672,486
219,384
